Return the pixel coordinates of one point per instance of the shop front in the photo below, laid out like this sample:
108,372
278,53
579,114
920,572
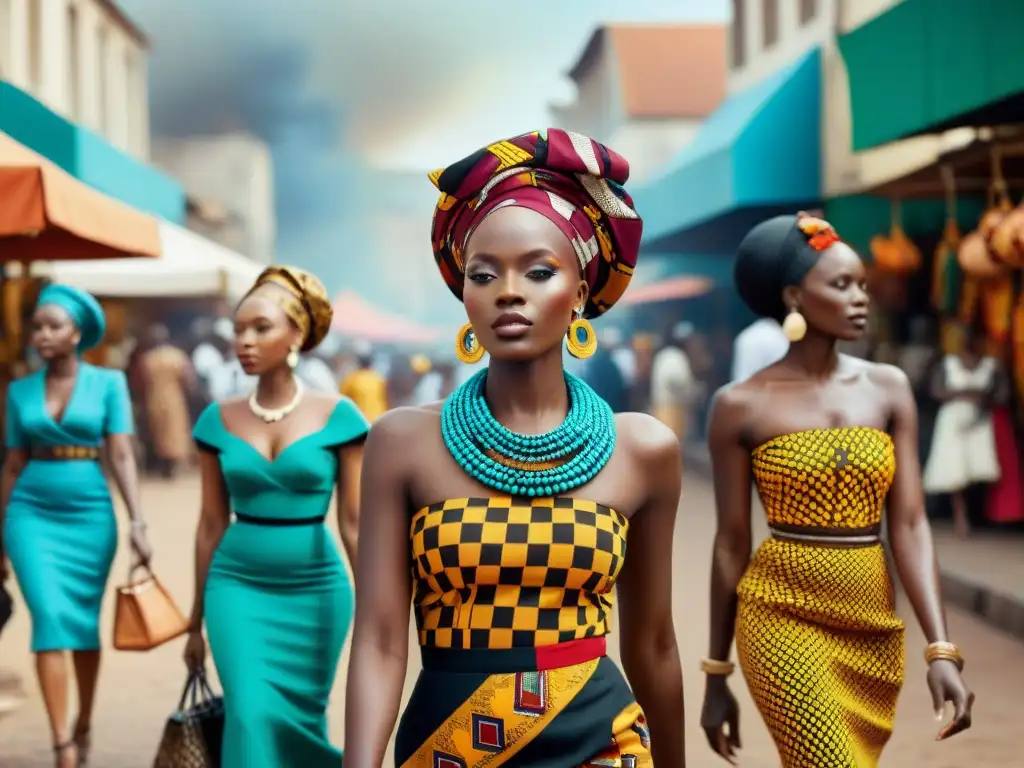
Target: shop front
946,238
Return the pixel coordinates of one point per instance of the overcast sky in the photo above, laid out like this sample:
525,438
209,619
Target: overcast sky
340,88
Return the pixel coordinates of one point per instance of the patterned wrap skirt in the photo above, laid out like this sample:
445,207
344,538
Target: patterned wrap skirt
821,648
551,707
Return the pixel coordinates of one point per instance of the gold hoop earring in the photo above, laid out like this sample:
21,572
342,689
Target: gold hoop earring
293,356
581,341
467,346
794,326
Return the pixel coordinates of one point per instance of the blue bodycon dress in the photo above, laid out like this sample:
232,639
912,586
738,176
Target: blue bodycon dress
59,529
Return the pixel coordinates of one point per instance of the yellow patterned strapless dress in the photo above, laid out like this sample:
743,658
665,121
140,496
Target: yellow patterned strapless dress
817,636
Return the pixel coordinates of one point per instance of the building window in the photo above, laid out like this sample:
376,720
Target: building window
770,22
738,30
35,46
808,10
74,82
102,78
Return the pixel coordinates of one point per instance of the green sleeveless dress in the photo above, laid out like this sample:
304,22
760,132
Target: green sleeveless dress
279,600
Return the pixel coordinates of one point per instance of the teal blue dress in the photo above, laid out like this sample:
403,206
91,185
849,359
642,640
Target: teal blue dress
279,600
59,529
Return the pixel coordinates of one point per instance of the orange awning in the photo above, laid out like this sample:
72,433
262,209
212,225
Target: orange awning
673,289
48,215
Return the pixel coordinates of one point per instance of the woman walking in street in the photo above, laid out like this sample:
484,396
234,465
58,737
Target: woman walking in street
59,529
274,592
515,498
829,440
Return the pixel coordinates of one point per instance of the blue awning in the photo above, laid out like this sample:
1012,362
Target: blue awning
759,152
89,157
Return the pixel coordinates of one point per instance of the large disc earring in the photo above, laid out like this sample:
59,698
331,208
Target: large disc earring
467,346
581,341
794,326
293,356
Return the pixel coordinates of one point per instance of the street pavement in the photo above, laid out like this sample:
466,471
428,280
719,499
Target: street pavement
138,691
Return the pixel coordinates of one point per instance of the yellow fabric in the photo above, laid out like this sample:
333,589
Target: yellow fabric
822,651
303,298
826,478
368,390
631,738
497,573
496,698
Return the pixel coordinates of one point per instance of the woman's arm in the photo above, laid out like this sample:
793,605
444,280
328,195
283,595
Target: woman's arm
350,462
121,456
380,639
214,518
14,462
730,464
911,540
650,656
119,429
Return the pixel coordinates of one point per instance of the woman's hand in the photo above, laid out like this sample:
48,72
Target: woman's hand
946,684
141,550
195,651
721,710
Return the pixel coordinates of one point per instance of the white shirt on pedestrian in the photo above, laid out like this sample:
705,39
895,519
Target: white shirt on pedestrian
756,347
671,377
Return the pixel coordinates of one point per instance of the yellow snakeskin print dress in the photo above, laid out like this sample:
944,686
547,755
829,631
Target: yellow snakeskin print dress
816,633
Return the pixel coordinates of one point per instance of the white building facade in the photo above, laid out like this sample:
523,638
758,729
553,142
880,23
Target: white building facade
83,59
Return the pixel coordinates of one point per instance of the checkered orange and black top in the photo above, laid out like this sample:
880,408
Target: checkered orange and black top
499,573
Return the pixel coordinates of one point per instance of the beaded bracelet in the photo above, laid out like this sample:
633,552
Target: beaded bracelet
944,651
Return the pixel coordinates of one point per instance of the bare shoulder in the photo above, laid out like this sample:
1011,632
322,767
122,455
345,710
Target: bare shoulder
890,379
647,438
398,426
233,405
732,403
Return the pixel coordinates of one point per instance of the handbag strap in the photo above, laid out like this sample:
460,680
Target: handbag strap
189,693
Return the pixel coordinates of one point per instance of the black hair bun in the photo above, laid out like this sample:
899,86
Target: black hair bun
772,255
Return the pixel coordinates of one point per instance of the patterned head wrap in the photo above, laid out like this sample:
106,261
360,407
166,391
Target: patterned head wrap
85,312
778,253
572,180
302,297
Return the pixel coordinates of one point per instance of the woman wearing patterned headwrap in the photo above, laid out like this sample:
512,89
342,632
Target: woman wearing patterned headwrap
514,498
270,584
59,529
829,440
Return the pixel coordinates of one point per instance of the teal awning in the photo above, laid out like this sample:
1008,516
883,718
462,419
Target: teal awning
929,65
88,157
759,150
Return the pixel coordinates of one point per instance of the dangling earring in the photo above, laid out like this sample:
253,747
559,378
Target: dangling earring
794,326
581,341
467,346
293,356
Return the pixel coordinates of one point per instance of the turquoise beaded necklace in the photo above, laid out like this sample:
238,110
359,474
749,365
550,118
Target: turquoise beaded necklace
553,463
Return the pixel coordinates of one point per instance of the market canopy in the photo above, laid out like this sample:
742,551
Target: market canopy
48,215
190,265
672,289
757,154
926,66
356,318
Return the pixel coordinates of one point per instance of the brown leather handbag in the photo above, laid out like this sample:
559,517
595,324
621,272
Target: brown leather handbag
145,615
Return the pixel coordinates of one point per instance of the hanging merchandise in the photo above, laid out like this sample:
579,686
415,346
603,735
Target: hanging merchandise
947,276
895,253
975,255
996,307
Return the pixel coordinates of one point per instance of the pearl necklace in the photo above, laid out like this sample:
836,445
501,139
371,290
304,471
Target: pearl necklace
270,415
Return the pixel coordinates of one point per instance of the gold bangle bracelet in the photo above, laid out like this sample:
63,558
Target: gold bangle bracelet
944,651
718,668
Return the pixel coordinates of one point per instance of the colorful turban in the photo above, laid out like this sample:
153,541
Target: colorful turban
85,312
302,297
572,180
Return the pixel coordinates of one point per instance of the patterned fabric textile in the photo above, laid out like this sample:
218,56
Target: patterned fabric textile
817,635
821,649
303,298
831,478
572,180
501,573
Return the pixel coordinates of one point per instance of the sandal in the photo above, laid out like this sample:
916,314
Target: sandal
83,741
60,749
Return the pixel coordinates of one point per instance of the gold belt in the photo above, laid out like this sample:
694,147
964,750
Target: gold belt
64,453
863,539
